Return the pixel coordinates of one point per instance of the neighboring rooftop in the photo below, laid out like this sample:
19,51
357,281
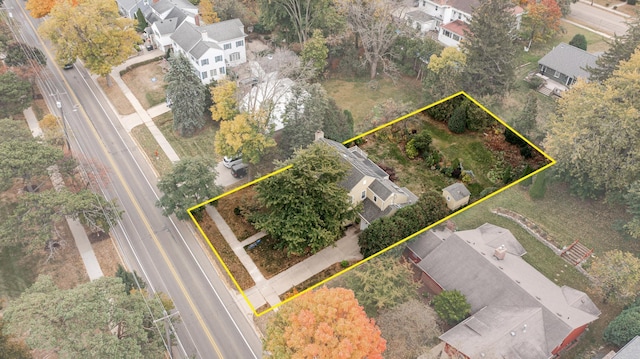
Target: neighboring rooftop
509,285
569,60
458,191
457,27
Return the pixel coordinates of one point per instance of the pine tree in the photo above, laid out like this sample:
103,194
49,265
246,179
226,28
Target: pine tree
187,94
620,49
490,49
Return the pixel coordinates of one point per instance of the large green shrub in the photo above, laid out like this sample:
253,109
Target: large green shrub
579,41
624,327
451,306
458,121
539,187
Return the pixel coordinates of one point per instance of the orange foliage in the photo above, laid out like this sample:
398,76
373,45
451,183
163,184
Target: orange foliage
543,18
42,8
326,323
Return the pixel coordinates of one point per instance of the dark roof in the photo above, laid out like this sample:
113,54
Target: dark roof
422,245
512,282
631,350
171,23
457,190
569,60
382,191
371,212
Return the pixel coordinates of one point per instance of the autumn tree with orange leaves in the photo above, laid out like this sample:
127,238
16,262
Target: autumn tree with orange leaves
541,20
42,8
326,323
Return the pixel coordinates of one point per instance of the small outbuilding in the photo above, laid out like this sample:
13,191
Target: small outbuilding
456,195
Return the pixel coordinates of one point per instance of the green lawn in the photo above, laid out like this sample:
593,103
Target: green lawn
200,144
359,98
149,146
595,42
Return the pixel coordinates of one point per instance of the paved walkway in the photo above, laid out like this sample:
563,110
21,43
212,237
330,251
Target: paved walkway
267,291
77,230
142,116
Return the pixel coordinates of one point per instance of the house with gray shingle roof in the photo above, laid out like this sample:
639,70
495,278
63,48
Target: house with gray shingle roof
631,350
456,195
565,63
129,8
517,312
368,184
211,49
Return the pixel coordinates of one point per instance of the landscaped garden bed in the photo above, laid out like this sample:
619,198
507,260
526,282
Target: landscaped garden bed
237,269
271,260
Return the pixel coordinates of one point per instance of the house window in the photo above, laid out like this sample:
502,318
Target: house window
213,72
234,57
556,74
455,37
436,7
459,16
204,75
222,71
424,3
363,195
375,198
204,62
448,198
240,43
218,58
227,46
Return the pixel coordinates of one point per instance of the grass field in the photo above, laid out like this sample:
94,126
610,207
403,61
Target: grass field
148,144
146,82
200,144
116,97
359,98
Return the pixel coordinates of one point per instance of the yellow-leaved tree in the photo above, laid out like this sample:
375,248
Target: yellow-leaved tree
93,32
225,103
248,133
207,12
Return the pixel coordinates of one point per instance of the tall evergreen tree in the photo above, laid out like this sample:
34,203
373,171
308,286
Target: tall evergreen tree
187,94
620,49
490,49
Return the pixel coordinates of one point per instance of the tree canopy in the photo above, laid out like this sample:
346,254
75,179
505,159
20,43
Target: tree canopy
15,94
325,323
207,12
93,320
305,205
618,274
225,100
594,134
301,16
249,133
93,31
187,94
541,20
190,182
451,306
620,50
315,52
490,49
624,327
382,283
42,8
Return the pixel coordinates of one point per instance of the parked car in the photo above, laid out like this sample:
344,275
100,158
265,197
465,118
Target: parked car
239,170
149,47
68,66
230,161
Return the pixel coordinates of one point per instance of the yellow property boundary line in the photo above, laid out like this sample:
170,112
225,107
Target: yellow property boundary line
551,163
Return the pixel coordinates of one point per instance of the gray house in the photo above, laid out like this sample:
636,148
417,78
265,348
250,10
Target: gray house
565,64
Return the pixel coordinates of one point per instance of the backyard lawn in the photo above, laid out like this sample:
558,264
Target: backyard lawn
359,97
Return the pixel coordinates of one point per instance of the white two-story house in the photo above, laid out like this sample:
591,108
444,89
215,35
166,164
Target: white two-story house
449,18
211,49
166,16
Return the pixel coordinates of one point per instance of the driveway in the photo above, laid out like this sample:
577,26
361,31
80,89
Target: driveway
224,176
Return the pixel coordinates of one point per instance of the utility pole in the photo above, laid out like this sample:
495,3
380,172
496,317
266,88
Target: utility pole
167,323
64,125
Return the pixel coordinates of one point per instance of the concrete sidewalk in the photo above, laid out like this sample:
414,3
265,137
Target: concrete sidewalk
267,291
77,230
141,116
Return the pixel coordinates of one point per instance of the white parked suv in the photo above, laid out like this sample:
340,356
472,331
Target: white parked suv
230,161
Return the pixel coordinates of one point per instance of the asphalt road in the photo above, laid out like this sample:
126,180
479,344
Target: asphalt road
598,19
165,252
